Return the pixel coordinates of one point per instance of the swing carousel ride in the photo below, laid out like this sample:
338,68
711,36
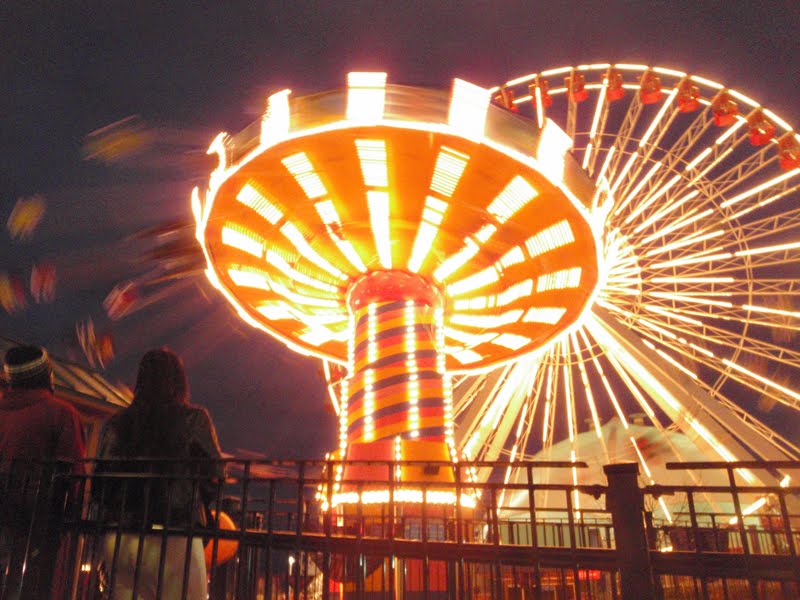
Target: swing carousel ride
491,274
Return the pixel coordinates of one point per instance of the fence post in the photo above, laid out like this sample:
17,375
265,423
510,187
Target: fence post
625,503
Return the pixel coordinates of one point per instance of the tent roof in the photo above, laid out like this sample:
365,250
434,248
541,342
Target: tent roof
83,386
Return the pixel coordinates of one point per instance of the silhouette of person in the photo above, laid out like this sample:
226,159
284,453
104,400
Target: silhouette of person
159,424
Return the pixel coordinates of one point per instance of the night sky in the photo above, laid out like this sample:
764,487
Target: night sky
190,70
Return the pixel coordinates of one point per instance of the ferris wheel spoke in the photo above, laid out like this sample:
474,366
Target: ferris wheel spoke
743,172
714,190
686,403
748,419
772,226
484,400
667,206
666,435
602,108
678,151
636,182
719,336
764,229
767,197
781,443
743,183
690,216
733,370
675,161
578,352
526,419
623,137
726,311
548,422
671,334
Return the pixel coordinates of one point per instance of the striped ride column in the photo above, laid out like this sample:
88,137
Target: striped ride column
399,404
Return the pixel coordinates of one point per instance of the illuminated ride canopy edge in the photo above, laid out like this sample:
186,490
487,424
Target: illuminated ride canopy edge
404,234
675,201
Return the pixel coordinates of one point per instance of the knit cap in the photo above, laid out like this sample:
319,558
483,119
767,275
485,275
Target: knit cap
24,363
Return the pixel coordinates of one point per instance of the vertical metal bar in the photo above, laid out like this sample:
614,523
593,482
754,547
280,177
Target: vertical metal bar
327,526
301,482
572,107
787,530
75,550
652,545
215,536
572,544
614,588
697,543
243,507
270,537
286,581
142,526
773,537
738,509
714,529
725,594
163,555
787,527
384,567
459,532
498,581
187,557
100,516
537,576
18,583
359,544
118,537
742,532
305,572
425,562
392,519
588,585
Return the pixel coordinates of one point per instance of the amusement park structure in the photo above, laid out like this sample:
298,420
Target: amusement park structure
479,278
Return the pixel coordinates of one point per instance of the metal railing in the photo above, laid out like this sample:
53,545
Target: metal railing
128,526
745,548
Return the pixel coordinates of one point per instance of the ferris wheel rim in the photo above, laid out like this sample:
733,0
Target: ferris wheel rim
736,237
744,235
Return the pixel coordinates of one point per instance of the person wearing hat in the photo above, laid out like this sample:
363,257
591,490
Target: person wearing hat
34,424
35,429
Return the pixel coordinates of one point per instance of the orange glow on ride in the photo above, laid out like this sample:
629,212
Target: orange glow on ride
405,234
342,198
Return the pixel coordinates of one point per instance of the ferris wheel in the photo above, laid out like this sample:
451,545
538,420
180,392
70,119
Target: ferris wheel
696,317
623,243
696,314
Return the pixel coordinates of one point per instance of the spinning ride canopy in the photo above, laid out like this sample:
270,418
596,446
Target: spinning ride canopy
657,274
487,208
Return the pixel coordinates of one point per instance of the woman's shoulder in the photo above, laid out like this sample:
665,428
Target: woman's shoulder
195,415
195,410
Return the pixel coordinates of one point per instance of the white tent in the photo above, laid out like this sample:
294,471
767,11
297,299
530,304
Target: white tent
645,445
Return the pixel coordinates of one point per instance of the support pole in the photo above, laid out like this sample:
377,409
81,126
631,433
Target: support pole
625,503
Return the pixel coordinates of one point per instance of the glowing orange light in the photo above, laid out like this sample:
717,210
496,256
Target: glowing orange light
425,226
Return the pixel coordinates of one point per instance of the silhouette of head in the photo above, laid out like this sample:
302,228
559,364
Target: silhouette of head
28,367
161,380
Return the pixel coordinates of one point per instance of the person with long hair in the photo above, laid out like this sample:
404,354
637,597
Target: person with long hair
160,434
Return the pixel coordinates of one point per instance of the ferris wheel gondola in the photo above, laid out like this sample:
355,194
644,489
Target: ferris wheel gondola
624,242
697,314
